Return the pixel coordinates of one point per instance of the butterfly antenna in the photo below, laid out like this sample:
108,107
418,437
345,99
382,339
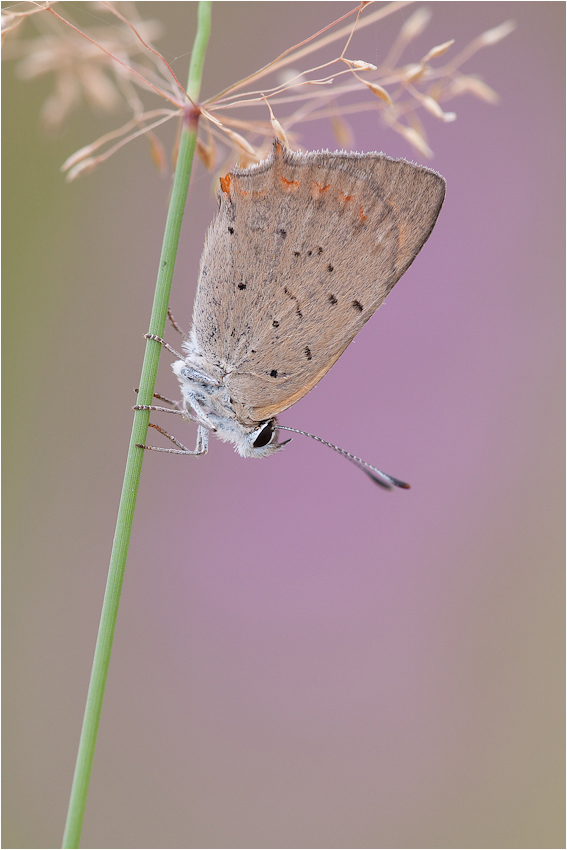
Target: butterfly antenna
379,477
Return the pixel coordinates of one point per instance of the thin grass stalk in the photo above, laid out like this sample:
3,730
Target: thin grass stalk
127,505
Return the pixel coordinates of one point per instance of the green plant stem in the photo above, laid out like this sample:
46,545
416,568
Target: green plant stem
125,517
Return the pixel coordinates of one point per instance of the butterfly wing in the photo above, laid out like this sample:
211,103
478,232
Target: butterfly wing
303,250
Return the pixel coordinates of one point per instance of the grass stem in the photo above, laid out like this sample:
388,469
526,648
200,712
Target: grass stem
101,662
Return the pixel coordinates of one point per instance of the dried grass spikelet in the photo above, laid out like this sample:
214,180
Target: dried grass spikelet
435,52
279,132
415,24
341,130
416,140
86,166
496,34
433,107
412,73
379,92
414,122
470,84
242,143
157,153
206,152
360,65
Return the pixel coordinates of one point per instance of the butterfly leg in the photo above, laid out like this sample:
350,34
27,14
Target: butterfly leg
163,398
175,407
163,410
165,345
201,417
175,325
201,447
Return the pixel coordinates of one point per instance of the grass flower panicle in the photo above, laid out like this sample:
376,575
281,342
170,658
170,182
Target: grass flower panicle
115,66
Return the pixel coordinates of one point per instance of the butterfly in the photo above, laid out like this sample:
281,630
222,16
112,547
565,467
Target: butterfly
303,250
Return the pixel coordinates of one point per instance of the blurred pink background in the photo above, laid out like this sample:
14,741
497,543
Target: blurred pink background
301,659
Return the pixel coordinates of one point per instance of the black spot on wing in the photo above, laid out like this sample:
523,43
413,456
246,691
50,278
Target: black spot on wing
294,298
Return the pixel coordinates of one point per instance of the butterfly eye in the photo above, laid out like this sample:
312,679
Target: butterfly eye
265,435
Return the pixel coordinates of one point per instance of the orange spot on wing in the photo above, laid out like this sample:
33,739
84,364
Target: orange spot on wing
318,189
293,184
225,184
361,215
344,199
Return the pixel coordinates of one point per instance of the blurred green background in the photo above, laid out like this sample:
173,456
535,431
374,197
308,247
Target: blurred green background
300,660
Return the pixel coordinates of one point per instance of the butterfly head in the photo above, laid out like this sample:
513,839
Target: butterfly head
261,441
